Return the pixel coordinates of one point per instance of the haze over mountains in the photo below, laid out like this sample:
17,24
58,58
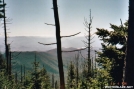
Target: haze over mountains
30,43
45,55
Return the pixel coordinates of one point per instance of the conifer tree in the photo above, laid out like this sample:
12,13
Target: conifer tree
56,85
111,52
1,10
45,79
71,76
52,80
35,75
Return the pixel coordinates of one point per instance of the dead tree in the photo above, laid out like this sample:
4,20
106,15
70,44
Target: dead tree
59,49
58,38
5,33
88,43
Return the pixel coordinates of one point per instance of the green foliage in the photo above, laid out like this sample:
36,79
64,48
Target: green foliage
111,52
35,79
2,9
71,76
110,61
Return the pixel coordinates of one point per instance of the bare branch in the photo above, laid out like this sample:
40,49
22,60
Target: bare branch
71,35
123,29
86,36
121,23
11,42
86,30
86,25
75,50
50,24
125,38
84,42
92,38
92,34
82,55
92,42
47,44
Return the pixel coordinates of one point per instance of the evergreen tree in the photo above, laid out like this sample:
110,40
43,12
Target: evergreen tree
56,85
45,79
111,52
1,9
52,80
36,83
38,78
71,76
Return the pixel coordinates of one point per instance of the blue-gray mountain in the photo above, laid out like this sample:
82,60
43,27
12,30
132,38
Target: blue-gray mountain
45,55
30,43
47,59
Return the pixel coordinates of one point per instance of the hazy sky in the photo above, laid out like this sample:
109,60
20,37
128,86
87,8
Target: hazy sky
28,16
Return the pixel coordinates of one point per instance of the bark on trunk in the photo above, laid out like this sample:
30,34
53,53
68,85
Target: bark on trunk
59,54
130,47
5,32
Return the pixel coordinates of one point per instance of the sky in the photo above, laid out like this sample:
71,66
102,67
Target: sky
27,17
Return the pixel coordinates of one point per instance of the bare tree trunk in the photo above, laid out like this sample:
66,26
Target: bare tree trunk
52,80
6,46
21,73
89,46
16,79
77,69
60,63
130,47
89,60
24,72
10,65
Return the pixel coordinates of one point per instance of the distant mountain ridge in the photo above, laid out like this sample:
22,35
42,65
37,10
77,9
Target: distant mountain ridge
47,59
30,43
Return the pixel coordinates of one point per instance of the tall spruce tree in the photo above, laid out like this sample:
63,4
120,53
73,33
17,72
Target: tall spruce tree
111,51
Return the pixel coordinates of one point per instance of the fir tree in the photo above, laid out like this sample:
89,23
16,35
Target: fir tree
111,52
71,76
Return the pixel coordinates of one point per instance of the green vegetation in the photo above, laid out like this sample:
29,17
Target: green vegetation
33,72
35,79
110,60
111,53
